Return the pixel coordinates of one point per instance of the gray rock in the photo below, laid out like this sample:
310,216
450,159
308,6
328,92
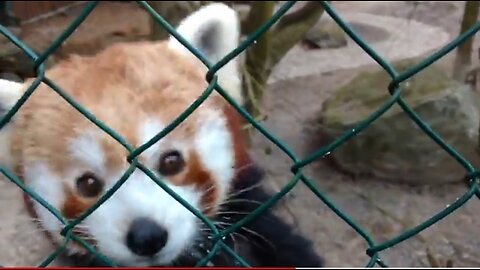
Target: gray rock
394,148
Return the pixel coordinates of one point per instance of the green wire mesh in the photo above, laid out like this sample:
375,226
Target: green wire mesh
394,88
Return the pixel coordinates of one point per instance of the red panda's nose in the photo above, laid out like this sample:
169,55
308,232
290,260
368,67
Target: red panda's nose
146,237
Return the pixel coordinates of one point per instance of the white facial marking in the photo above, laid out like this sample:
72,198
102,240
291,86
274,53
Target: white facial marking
46,184
10,92
138,197
87,149
141,197
148,130
214,146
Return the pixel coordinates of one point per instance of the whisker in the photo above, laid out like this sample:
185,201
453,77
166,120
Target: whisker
26,218
80,226
223,225
233,200
244,167
28,233
212,186
251,232
225,203
242,200
233,213
244,190
38,221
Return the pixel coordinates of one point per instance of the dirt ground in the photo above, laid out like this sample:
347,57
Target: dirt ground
383,210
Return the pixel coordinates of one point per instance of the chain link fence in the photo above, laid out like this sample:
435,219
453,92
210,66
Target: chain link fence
394,88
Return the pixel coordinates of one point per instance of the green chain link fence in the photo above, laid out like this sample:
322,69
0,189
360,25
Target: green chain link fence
394,89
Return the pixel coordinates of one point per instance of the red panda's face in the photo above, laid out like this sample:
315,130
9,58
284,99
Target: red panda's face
135,89
72,163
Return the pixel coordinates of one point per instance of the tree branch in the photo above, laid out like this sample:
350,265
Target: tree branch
463,57
309,9
257,55
291,29
272,46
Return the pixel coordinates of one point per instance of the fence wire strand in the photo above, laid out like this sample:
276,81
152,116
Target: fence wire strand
394,88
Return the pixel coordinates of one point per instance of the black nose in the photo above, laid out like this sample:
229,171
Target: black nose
146,237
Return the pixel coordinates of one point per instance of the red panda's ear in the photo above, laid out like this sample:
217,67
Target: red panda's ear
10,93
246,170
214,29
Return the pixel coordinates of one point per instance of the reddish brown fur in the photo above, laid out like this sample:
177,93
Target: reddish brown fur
76,231
235,124
74,206
198,176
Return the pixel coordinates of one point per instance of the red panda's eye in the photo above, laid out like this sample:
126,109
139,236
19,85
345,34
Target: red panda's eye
88,185
171,163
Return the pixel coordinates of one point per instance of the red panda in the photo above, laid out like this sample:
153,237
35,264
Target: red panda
137,89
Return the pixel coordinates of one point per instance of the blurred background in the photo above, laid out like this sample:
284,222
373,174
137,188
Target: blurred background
308,82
